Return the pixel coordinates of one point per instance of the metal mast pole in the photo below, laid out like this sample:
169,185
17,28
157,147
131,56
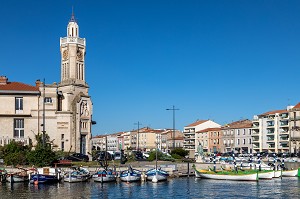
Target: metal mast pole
138,137
43,135
173,109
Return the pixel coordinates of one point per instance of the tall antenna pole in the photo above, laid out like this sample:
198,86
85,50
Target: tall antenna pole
43,135
173,109
138,138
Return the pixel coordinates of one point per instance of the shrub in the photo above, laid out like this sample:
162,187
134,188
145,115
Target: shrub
176,156
179,151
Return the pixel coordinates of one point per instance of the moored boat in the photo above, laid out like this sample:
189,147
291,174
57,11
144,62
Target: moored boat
79,174
45,175
130,175
277,174
20,176
265,174
105,176
159,174
290,173
227,175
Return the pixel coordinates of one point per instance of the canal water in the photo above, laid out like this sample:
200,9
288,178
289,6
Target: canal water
173,188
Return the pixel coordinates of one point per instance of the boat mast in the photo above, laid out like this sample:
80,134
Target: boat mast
156,155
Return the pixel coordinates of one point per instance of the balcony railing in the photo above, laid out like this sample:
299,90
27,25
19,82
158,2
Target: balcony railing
6,140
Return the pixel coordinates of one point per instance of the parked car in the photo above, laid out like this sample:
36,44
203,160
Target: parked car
117,155
78,157
103,155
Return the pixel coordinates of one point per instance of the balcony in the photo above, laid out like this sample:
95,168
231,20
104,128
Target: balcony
284,139
255,126
255,146
284,123
284,115
270,131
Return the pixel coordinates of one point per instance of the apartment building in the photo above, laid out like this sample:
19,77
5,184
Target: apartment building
190,133
167,139
236,137
270,131
294,127
210,140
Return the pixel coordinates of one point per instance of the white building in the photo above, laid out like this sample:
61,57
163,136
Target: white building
270,132
63,111
191,137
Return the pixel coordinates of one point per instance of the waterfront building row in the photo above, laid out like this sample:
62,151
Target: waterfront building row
144,139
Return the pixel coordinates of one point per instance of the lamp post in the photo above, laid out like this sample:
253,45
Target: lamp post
138,138
173,109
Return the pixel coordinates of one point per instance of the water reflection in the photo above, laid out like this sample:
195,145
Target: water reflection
173,188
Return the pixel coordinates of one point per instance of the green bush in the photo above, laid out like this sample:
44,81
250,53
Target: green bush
160,156
179,151
176,156
14,153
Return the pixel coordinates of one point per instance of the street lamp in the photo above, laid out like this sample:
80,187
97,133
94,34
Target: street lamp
173,109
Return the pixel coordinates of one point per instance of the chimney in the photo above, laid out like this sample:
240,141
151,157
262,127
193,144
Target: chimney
3,80
38,83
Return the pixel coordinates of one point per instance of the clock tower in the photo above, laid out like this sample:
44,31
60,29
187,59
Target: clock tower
72,50
74,108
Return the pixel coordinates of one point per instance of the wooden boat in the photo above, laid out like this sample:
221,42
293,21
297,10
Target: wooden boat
265,174
105,176
227,175
20,176
79,174
155,174
45,175
159,174
290,173
277,174
130,175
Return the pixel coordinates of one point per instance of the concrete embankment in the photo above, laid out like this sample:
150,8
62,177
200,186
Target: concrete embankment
174,169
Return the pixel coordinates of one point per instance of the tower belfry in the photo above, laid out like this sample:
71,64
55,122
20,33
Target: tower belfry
73,50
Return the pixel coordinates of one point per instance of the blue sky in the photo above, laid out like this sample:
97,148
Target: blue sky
219,60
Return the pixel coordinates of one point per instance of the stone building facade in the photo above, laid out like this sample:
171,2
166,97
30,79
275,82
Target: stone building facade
63,111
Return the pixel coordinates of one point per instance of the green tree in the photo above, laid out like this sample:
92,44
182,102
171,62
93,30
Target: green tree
179,152
14,153
43,154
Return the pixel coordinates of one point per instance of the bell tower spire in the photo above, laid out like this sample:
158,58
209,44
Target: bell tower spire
73,49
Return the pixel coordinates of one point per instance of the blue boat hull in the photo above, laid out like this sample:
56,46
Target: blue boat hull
42,178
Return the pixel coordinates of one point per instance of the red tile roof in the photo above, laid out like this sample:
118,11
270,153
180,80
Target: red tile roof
208,130
238,124
17,86
297,106
273,112
197,123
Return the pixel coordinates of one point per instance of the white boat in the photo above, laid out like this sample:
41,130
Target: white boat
77,175
267,174
19,176
105,176
229,175
277,174
290,173
130,175
159,174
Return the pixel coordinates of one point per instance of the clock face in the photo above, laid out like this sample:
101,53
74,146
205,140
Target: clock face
65,54
79,55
